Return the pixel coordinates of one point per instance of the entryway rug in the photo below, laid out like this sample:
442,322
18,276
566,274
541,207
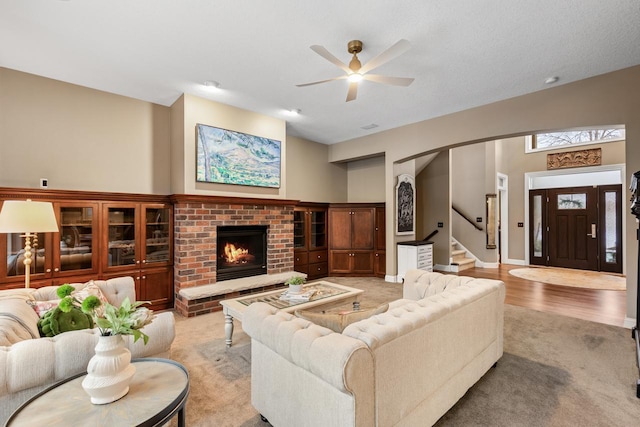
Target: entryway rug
573,278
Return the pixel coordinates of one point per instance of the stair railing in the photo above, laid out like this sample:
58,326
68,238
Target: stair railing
469,220
433,233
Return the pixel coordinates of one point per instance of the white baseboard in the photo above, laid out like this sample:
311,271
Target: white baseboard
629,322
441,267
514,261
483,264
392,279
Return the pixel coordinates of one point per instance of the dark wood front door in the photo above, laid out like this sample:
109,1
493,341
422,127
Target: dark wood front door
579,227
573,228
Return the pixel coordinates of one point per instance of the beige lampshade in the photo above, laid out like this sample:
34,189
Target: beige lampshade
26,216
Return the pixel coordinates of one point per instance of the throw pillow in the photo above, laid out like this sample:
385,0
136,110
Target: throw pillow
337,322
91,289
41,307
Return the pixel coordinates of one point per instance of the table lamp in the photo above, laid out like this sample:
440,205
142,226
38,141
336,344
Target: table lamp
25,216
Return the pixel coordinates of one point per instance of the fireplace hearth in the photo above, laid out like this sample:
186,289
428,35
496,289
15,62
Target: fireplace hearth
241,251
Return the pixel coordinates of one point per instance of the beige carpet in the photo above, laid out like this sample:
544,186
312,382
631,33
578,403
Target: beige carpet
556,371
573,278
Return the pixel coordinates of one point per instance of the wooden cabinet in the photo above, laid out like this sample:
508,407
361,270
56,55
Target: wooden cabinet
414,255
153,284
77,252
56,258
310,240
101,235
352,262
380,260
138,240
352,240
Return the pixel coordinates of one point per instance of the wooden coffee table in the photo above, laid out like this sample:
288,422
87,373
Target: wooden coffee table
327,295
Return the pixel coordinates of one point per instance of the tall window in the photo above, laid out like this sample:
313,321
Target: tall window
553,140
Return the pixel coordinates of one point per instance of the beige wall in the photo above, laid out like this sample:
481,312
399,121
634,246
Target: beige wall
80,138
177,147
472,178
202,111
310,177
305,172
365,180
83,139
433,201
602,100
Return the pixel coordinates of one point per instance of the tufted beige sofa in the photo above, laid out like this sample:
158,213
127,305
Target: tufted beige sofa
405,367
28,363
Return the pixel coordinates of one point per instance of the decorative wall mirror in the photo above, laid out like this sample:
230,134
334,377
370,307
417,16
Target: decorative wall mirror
492,223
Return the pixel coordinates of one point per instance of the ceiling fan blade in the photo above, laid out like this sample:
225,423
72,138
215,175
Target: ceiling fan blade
320,50
395,81
396,50
322,81
353,91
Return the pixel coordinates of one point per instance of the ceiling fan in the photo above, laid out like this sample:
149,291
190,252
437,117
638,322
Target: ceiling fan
357,72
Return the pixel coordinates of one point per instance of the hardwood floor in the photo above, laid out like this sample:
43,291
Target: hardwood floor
601,306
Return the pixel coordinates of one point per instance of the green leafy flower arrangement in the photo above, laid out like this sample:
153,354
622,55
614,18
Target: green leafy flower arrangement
296,280
128,319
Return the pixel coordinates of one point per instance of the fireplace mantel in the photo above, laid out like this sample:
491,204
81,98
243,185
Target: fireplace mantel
196,198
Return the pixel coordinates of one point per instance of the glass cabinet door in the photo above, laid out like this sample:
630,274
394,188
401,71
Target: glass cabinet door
76,235
15,254
318,235
299,229
121,236
157,235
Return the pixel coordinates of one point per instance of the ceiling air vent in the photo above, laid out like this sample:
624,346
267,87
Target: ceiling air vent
371,126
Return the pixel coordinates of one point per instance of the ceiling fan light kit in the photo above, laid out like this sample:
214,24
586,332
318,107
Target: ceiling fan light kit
357,72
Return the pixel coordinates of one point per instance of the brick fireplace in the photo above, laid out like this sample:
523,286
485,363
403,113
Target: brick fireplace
196,222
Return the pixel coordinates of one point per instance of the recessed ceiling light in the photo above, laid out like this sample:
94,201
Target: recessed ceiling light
371,126
212,84
294,112
551,80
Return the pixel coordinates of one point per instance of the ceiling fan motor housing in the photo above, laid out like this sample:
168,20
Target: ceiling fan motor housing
354,47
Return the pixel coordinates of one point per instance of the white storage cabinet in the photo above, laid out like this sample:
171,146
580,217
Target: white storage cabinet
414,255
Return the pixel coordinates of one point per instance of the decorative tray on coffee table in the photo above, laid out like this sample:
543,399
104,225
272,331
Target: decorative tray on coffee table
316,291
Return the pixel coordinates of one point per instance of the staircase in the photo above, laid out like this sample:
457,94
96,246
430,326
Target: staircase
459,260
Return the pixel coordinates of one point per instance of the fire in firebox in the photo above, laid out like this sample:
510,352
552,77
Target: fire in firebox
238,255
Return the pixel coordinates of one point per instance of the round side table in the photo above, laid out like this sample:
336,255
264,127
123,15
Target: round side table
158,391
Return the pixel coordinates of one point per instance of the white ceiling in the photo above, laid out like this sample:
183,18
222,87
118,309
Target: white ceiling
464,53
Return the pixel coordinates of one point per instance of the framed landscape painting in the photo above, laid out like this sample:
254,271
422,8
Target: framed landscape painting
229,157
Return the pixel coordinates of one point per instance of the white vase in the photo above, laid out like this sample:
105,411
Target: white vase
295,289
110,371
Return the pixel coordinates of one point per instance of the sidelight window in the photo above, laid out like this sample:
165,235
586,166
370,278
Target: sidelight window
537,226
610,227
